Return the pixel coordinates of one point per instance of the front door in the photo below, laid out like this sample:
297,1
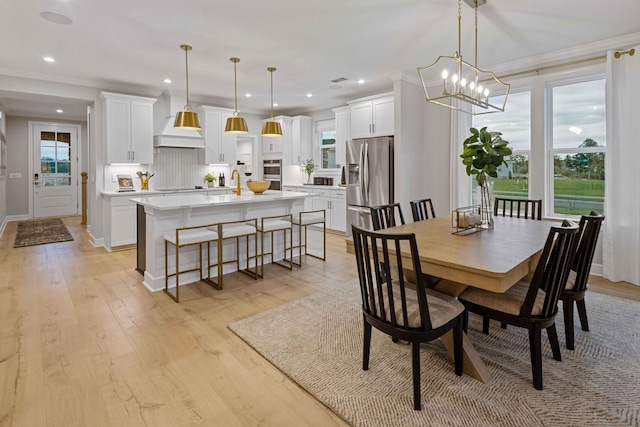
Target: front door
55,176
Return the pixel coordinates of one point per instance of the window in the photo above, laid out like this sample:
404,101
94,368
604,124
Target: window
515,125
55,155
577,146
328,149
555,125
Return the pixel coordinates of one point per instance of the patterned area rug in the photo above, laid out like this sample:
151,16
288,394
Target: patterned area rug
317,342
40,232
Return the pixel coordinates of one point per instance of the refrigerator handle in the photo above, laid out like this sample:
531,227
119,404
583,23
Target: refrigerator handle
366,173
362,174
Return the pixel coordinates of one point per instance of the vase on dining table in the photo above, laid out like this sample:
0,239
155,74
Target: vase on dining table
484,195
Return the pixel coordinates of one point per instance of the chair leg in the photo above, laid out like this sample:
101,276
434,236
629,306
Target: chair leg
465,321
503,325
415,351
535,346
457,345
553,341
567,308
582,312
366,346
485,325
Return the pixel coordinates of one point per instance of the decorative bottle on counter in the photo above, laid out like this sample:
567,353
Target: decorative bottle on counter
221,180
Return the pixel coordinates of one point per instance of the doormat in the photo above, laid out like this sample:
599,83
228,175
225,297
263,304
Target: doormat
41,232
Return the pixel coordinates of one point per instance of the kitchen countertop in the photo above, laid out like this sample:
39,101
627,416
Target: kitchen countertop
159,192
331,187
179,201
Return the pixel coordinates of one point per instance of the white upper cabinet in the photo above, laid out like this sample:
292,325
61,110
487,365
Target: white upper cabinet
128,128
301,141
343,133
275,145
372,117
219,147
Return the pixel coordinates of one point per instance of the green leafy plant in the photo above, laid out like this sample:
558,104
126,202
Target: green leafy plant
308,166
209,178
483,153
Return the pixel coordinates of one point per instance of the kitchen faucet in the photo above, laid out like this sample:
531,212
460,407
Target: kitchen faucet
236,172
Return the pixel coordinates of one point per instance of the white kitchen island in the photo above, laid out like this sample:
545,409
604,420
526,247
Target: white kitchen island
162,215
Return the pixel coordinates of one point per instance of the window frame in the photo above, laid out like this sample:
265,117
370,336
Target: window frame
581,75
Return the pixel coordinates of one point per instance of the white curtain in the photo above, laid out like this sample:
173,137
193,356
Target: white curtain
460,191
621,240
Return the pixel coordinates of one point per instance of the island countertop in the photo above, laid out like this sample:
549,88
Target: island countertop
179,201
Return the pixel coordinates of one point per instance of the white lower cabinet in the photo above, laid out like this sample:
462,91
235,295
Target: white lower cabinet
120,228
335,204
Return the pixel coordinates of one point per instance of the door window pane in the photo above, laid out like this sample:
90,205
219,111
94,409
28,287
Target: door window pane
328,149
55,159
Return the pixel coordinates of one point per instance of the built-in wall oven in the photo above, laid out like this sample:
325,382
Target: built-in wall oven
272,170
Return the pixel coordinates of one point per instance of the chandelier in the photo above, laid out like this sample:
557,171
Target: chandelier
451,79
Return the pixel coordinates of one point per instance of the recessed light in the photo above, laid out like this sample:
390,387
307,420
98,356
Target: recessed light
248,95
167,80
360,81
56,18
59,111
48,59
275,104
309,95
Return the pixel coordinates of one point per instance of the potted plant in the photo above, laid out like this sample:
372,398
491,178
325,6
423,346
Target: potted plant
308,166
483,152
209,179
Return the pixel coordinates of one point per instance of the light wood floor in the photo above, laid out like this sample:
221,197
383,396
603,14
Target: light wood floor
84,343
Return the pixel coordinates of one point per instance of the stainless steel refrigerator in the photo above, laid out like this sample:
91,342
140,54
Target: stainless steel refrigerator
369,177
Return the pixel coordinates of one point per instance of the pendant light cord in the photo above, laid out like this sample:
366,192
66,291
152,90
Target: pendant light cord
271,70
186,49
235,86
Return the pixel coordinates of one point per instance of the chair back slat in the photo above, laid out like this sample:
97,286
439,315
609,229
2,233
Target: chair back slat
520,208
385,216
421,209
588,238
552,270
383,287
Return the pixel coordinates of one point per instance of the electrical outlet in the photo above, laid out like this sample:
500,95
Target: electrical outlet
114,178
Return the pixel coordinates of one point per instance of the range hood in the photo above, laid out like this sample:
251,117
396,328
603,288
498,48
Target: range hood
167,135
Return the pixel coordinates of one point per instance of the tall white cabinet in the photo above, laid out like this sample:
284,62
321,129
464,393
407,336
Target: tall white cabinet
294,146
372,117
219,147
128,128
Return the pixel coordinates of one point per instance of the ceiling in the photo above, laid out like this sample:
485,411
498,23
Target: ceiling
132,46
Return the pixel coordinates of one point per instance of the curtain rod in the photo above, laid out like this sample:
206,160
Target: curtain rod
565,64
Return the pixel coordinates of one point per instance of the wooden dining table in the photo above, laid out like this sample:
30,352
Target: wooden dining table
493,259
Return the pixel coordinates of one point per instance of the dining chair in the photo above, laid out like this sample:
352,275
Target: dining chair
531,305
576,287
421,209
520,208
414,314
385,216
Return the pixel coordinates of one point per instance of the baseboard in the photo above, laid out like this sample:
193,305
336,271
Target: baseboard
2,227
596,270
22,217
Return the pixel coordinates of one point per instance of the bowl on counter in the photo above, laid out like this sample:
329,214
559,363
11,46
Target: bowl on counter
258,187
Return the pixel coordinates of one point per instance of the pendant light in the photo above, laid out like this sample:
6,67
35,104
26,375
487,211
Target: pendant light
235,124
452,82
271,128
187,119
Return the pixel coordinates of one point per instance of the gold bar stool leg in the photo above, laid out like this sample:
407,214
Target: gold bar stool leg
271,224
303,220
183,237
235,230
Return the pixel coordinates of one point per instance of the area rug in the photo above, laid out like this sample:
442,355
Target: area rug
40,232
317,342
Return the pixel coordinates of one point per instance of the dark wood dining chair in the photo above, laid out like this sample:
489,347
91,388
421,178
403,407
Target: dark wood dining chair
577,282
414,314
531,305
520,208
421,209
385,216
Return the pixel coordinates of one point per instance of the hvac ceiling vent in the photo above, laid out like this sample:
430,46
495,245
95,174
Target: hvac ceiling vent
339,80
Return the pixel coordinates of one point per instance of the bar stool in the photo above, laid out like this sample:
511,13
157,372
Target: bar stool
304,219
271,224
235,230
183,237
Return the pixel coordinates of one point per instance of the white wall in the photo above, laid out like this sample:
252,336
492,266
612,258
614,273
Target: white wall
3,180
